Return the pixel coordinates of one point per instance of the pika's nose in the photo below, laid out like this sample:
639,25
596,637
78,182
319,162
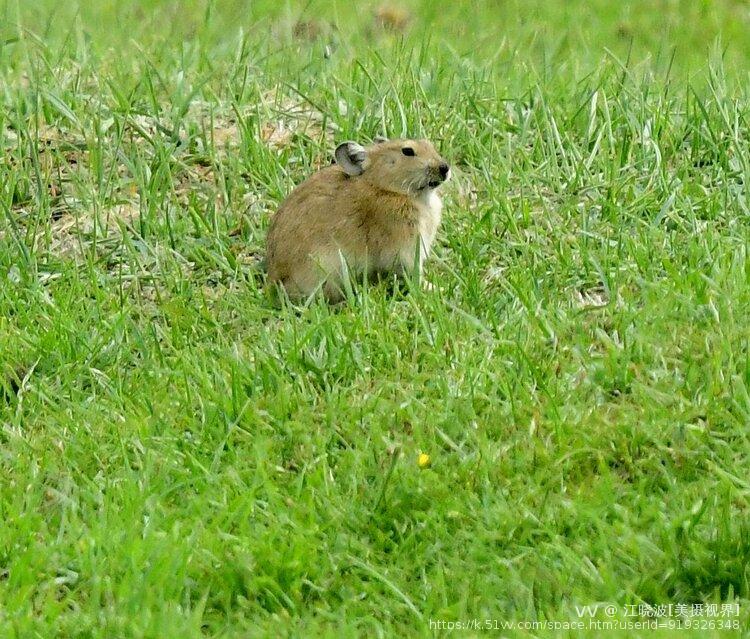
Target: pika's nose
444,168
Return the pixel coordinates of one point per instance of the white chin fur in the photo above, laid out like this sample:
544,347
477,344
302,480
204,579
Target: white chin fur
431,199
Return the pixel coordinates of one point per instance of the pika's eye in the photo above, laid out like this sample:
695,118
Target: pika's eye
407,150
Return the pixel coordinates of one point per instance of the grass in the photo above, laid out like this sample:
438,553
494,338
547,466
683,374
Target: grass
182,459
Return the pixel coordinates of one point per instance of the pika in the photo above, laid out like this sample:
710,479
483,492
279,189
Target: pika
374,212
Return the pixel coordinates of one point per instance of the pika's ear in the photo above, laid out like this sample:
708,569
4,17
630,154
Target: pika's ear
379,139
351,157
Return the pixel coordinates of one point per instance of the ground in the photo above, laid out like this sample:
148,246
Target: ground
181,458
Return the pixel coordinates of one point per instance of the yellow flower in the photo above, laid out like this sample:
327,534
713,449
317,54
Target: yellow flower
424,461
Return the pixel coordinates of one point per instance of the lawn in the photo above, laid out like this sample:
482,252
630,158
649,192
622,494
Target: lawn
181,458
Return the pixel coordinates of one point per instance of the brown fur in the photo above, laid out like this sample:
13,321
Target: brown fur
381,221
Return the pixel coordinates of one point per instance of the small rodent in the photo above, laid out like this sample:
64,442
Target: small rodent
376,211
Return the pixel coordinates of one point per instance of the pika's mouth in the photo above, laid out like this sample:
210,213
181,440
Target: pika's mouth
437,176
433,181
